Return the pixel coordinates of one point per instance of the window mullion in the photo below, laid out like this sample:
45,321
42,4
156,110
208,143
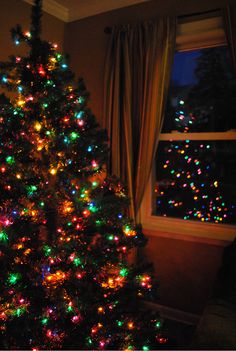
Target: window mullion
230,135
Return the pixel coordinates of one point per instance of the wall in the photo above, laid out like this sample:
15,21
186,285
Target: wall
186,268
14,12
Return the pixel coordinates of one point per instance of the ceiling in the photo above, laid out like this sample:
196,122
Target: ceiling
72,10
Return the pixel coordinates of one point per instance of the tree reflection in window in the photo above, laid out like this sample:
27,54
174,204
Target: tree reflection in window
196,179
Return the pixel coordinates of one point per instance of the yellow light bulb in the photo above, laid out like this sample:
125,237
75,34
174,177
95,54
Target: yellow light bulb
130,325
27,252
20,103
53,171
37,126
27,34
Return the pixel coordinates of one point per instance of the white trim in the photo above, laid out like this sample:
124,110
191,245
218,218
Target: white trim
174,314
194,239
54,8
230,135
83,9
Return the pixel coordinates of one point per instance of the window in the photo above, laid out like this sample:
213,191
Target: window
193,182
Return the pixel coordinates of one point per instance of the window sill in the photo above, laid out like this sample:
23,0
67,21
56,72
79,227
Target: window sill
179,227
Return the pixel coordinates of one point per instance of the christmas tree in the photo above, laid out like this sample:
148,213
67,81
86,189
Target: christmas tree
64,229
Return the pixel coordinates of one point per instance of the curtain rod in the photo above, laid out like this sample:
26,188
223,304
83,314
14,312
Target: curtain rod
107,30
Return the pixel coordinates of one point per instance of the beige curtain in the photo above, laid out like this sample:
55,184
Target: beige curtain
137,72
230,29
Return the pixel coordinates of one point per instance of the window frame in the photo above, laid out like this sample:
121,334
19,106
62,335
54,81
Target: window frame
191,35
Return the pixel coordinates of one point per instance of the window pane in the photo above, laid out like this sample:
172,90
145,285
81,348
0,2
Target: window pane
202,94
196,180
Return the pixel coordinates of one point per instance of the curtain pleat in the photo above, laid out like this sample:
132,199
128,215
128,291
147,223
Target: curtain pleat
137,74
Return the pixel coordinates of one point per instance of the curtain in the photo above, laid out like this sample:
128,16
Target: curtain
137,73
230,27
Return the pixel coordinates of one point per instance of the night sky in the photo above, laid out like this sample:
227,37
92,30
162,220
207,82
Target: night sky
183,68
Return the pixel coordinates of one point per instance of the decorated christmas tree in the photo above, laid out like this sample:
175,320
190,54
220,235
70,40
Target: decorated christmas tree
64,230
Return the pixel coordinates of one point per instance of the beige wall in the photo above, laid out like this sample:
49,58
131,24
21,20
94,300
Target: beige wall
186,269
14,12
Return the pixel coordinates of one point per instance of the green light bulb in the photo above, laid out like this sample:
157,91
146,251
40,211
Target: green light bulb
13,278
74,135
89,340
77,261
44,321
120,323
69,309
47,250
124,272
49,82
10,160
19,311
92,208
3,236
